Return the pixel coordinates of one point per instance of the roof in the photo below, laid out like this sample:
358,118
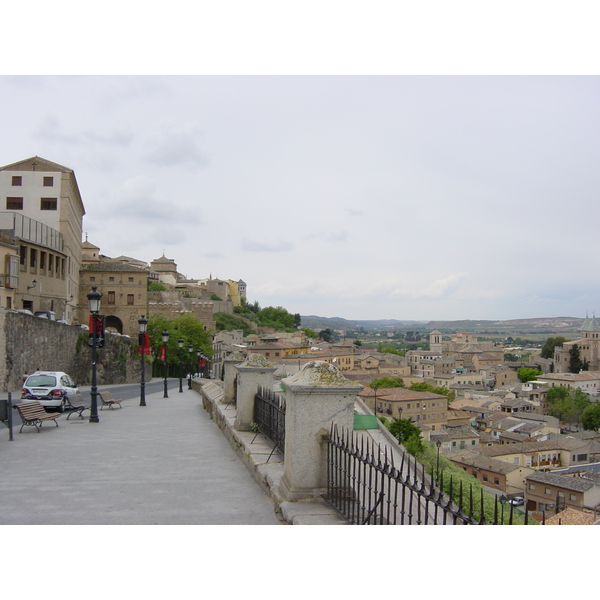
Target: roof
570,516
109,266
576,484
475,459
403,394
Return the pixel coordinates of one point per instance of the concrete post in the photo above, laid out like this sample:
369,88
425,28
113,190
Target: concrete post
317,397
255,371
230,374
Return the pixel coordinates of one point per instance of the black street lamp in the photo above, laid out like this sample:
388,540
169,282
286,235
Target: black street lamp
180,344
438,443
165,339
94,298
190,351
143,324
199,355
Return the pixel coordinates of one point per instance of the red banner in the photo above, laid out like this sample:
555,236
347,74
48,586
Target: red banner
163,353
144,344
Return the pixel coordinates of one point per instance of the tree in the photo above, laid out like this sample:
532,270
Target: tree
326,335
310,333
590,418
297,320
528,374
187,327
550,344
387,382
567,404
575,363
403,429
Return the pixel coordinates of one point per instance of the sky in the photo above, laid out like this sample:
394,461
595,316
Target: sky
442,194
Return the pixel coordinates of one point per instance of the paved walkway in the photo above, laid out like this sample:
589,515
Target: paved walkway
165,464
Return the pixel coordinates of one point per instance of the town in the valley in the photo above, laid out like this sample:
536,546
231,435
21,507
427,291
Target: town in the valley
521,420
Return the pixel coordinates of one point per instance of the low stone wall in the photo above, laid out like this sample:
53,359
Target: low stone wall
29,343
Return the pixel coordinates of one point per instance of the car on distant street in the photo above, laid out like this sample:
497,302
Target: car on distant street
52,389
45,314
518,501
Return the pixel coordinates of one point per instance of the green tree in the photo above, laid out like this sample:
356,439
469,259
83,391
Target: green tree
528,374
403,429
326,335
575,363
550,344
227,322
297,320
310,333
386,382
590,418
277,318
567,404
187,327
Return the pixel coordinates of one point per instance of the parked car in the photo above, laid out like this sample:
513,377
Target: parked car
45,314
53,390
24,311
518,501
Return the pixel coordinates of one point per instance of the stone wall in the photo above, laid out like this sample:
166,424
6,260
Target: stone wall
29,343
174,304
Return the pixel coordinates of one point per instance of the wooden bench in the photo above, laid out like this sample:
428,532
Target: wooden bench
108,400
78,408
33,413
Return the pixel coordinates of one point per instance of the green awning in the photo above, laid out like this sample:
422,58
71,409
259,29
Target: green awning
362,422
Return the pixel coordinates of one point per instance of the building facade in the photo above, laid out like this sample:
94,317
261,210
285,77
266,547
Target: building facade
42,211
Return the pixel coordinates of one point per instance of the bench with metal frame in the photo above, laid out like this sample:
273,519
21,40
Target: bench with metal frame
34,414
72,408
108,400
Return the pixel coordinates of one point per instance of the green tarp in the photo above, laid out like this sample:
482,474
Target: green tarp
365,422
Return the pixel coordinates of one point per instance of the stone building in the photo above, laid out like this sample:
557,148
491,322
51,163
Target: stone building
9,278
588,344
41,210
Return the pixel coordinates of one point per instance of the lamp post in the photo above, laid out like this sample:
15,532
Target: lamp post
165,339
143,324
438,443
190,352
94,298
199,355
180,344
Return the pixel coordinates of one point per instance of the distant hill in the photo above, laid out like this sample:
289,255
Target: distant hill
551,325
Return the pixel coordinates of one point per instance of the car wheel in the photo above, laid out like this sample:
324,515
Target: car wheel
62,406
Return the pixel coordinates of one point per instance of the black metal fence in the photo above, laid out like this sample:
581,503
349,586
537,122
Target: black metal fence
269,416
365,486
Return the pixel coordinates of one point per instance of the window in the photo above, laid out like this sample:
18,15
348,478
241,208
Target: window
110,298
572,497
92,279
111,279
14,204
496,481
42,260
17,180
581,457
485,477
131,280
48,181
49,204
23,251
548,491
130,299
32,258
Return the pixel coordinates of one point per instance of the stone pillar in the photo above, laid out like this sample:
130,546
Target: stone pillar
229,375
317,397
255,371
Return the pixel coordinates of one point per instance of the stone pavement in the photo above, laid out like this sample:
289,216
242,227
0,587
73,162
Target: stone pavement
166,463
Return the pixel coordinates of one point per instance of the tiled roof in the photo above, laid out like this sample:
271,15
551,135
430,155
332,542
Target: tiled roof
108,266
570,516
577,484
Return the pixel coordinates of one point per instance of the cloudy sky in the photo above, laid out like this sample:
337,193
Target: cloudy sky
358,196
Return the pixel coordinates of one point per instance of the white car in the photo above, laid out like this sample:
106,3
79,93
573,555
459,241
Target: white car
518,501
52,389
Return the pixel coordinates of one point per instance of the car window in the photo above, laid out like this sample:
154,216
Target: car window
41,381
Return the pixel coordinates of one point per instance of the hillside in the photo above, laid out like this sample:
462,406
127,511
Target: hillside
550,325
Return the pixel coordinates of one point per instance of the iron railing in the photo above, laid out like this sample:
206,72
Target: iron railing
269,417
365,487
